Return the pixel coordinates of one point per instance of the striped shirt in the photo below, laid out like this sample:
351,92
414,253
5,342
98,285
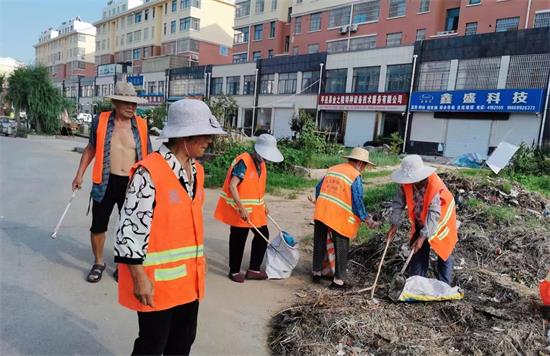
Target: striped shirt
98,190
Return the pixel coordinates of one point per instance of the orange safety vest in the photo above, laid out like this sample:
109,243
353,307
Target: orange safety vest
445,237
97,173
175,261
544,288
251,192
334,204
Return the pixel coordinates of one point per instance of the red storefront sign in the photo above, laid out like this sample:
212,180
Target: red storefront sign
364,102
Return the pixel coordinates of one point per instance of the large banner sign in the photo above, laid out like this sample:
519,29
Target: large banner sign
497,100
364,101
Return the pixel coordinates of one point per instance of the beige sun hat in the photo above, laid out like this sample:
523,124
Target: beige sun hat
190,117
125,91
412,170
360,154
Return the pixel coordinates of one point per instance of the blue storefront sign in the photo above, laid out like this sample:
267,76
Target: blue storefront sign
497,100
136,80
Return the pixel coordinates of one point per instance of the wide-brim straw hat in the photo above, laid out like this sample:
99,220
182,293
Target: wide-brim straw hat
125,91
360,154
412,170
266,147
190,117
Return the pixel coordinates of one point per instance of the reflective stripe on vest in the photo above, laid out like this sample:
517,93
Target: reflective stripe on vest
101,134
334,203
175,261
175,255
251,193
445,236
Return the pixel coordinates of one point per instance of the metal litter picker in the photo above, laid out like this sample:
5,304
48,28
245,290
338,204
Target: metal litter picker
398,282
54,234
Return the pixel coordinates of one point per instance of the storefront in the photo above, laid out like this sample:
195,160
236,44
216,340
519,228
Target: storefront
454,122
356,119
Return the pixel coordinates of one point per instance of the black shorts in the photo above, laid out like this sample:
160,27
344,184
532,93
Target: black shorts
115,194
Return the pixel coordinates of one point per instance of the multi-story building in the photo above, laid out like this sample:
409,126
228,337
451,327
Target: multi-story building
67,51
473,92
134,30
262,29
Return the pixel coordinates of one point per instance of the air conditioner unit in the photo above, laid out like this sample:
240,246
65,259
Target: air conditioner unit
195,57
344,29
353,28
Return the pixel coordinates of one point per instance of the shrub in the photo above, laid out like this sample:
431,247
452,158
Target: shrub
529,161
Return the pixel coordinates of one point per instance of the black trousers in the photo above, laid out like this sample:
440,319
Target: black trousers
115,194
237,241
341,249
167,332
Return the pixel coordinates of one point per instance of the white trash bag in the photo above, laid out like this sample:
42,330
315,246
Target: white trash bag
281,256
422,289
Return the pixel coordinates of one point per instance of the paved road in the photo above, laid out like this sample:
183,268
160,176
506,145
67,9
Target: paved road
46,306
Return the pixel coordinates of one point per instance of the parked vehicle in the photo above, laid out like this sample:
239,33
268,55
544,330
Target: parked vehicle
9,126
84,118
68,126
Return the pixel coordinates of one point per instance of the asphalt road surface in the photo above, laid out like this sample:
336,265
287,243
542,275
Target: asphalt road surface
47,307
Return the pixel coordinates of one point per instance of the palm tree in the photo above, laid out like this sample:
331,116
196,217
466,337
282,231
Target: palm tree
31,89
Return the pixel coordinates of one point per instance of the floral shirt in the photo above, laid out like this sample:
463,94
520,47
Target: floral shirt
136,215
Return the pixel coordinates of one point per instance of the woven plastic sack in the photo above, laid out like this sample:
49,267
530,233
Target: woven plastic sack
281,257
422,289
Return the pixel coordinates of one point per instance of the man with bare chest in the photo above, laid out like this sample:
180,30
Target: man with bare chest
118,139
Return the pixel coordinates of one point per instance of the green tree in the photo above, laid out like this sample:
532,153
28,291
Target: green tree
156,116
31,89
224,108
102,105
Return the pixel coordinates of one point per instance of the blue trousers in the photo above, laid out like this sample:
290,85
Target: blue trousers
421,260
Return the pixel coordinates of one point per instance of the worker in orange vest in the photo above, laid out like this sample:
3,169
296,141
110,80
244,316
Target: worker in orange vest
159,244
118,139
339,207
544,289
432,215
241,206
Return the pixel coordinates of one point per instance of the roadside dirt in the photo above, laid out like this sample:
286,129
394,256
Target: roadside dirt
498,262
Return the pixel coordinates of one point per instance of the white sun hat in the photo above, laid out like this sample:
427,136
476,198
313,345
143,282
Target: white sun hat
190,117
412,170
266,147
360,154
125,91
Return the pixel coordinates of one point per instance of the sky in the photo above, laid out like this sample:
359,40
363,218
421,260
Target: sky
22,21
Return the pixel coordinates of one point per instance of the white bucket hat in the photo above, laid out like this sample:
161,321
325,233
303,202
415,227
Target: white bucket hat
125,91
190,117
266,147
360,154
412,170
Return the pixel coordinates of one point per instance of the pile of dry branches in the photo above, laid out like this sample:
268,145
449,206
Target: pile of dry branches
497,265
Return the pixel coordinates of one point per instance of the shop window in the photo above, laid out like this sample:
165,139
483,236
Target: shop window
434,75
233,85
365,79
310,82
217,86
398,78
248,84
287,83
336,80
480,73
267,83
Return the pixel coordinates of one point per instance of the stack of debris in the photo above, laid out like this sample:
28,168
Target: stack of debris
497,264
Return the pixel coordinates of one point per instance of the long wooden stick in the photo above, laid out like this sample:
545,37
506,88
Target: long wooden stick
379,268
